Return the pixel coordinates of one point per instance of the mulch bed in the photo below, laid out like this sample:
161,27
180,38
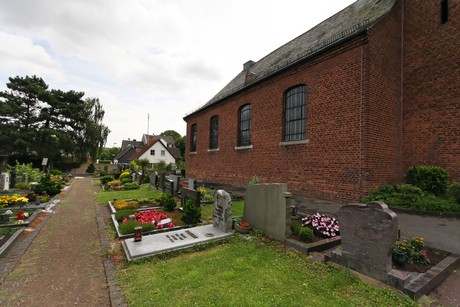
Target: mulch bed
434,255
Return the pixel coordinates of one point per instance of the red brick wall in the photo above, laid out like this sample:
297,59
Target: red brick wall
432,86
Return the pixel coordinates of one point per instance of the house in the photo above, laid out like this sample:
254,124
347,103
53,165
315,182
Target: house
341,109
154,148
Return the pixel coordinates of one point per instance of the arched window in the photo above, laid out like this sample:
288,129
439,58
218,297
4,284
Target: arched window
193,131
295,114
244,125
214,133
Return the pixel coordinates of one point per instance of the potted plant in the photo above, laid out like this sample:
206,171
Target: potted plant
242,227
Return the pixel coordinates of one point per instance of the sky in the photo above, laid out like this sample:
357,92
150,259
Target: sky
149,62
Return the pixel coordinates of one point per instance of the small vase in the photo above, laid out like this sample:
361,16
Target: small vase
242,227
399,259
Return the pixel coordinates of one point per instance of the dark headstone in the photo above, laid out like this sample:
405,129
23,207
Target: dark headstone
187,193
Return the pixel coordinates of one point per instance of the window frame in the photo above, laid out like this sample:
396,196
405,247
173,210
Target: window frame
214,132
152,152
193,137
244,125
295,114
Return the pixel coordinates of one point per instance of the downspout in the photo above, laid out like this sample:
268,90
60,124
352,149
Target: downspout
401,123
360,183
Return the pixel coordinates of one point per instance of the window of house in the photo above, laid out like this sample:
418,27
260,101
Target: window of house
193,131
444,11
244,125
295,114
163,153
152,152
214,133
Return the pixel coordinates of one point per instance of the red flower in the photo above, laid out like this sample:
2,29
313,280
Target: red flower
20,216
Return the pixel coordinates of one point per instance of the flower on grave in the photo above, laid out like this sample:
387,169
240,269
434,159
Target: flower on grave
21,215
413,250
19,222
322,225
9,212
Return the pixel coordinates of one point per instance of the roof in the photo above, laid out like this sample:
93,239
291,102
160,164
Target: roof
175,152
354,19
131,143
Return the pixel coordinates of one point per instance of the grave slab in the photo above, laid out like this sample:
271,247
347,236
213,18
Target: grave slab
172,241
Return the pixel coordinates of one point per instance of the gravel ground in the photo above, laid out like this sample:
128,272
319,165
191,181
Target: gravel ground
63,265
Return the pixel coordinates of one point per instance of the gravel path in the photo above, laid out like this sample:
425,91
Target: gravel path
63,265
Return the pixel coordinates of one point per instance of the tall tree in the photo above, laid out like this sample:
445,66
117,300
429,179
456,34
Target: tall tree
36,122
179,141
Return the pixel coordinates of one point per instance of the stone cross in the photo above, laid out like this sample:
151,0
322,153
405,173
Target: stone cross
222,217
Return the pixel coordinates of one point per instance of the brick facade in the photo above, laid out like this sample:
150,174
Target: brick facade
364,113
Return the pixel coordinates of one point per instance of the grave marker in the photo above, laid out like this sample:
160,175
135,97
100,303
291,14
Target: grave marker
222,216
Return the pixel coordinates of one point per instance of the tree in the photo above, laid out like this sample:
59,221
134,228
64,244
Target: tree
36,122
179,141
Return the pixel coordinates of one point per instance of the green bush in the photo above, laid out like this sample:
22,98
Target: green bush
56,172
454,191
22,186
167,201
131,186
128,227
146,179
431,179
126,180
121,214
306,234
105,161
52,187
401,195
295,227
106,179
192,213
124,175
33,174
90,169
32,197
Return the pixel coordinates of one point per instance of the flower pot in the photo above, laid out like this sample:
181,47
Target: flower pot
242,227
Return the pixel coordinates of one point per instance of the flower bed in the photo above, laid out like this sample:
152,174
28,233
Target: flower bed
17,217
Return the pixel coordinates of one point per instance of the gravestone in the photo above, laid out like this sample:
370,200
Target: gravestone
168,186
13,178
369,233
191,183
25,177
4,182
187,193
176,180
222,216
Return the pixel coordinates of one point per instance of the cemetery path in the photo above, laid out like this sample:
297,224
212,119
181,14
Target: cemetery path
63,265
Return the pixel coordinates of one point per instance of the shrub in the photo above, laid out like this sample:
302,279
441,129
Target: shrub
33,174
124,175
31,196
121,214
131,186
90,169
167,201
431,179
106,179
192,213
126,180
56,172
48,184
105,161
114,184
306,234
123,204
22,186
401,195
128,227
454,191
146,179
295,227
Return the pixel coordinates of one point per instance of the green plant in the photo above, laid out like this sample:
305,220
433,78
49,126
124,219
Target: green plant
56,172
131,186
401,195
48,184
121,214
254,180
295,227
22,186
126,180
124,204
124,175
106,179
31,196
167,201
306,234
431,179
33,174
114,184
413,250
454,191
128,227
90,169
192,213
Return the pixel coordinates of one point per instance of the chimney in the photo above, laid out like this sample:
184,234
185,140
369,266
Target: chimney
248,65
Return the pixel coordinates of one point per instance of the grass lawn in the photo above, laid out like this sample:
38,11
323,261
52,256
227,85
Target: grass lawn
246,272
103,197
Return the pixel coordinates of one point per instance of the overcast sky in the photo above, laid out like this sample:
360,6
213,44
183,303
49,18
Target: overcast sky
159,57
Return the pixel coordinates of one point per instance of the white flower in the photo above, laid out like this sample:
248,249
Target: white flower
9,212
20,222
26,214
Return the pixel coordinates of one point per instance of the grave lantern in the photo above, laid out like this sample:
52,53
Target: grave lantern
294,210
137,234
